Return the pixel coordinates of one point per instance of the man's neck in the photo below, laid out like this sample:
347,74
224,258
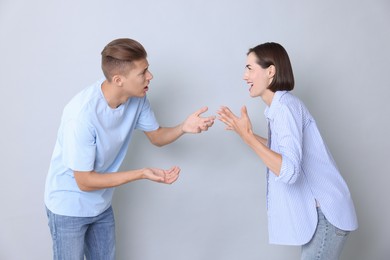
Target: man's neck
111,94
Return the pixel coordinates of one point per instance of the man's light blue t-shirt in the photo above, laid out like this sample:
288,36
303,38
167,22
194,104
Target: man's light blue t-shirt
308,177
92,136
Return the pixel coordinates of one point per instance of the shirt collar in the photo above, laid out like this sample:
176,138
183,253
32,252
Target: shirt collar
271,110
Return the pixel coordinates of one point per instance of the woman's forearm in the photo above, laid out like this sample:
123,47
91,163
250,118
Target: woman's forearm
261,139
270,158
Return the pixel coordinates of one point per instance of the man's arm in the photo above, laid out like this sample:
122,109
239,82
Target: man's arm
90,181
194,123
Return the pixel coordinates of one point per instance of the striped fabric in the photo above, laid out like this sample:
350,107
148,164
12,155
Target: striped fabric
308,177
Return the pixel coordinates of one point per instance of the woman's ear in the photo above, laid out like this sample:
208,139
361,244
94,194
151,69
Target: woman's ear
271,71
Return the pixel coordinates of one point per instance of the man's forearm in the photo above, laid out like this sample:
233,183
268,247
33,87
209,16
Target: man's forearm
90,181
165,135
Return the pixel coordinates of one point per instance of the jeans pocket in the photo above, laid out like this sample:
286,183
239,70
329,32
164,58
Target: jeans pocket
341,233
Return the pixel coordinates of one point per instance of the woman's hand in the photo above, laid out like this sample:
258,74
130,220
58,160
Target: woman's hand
241,125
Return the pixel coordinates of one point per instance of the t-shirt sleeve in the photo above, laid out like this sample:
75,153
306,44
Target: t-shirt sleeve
147,121
78,146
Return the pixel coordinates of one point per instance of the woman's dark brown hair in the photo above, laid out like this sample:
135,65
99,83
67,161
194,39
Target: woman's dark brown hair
272,53
118,55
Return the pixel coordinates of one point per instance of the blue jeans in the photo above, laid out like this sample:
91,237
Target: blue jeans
327,243
74,237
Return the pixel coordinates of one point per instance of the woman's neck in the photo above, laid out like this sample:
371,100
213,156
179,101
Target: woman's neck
267,97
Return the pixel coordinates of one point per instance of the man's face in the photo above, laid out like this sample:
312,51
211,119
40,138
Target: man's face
136,82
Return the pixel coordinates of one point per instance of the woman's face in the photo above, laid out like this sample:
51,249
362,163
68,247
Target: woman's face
256,77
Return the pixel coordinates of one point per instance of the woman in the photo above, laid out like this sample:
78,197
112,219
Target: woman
308,202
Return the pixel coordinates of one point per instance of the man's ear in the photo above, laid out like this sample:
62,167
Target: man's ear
117,80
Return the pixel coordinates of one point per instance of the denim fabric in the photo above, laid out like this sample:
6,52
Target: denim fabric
327,243
76,237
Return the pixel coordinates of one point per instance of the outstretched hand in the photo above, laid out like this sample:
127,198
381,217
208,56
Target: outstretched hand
196,124
241,125
163,176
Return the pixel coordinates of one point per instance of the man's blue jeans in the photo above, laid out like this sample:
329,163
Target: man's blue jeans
327,243
74,237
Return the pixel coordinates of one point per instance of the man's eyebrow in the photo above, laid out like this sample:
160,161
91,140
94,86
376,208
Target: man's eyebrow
143,72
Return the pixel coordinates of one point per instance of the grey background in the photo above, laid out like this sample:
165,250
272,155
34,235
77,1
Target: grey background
50,50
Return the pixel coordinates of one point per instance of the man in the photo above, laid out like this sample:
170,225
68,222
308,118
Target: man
92,142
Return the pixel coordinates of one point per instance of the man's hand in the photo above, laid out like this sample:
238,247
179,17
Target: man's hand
160,175
196,124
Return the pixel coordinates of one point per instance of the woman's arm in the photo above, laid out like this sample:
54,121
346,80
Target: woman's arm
261,139
243,127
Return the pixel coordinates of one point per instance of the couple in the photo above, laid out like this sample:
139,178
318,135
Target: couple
308,202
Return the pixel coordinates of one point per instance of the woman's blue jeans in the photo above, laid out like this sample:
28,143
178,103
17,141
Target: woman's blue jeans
327,243
74,237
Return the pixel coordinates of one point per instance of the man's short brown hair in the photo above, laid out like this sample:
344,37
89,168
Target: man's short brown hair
118,55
